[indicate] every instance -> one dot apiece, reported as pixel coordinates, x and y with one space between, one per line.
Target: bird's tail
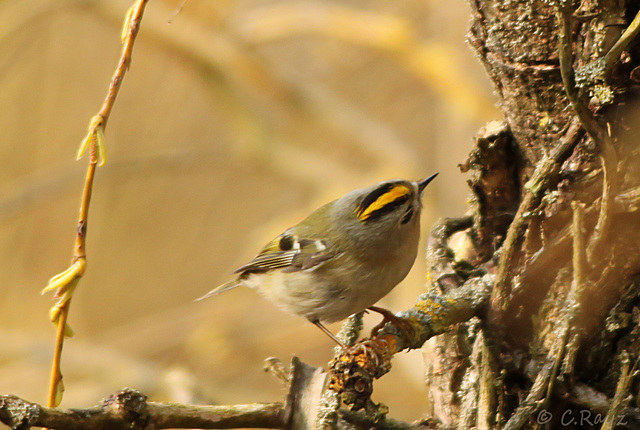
220 289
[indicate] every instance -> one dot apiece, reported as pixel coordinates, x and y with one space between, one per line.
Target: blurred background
236 120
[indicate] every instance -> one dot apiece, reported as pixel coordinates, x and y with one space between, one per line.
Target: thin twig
176 11
532 402
487 399
574 295
132 26
613 56
55 380
65 282
579 258
595 130
610 182
544 176
62 308
621 397
565 57
542 389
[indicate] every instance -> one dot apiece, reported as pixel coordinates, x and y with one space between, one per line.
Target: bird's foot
402 325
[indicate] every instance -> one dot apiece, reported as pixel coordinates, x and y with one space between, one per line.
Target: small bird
342 258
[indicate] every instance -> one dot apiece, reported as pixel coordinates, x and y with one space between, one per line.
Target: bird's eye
407 217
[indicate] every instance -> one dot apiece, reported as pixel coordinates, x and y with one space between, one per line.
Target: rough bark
554 219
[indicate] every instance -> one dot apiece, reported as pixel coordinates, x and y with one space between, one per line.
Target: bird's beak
423 183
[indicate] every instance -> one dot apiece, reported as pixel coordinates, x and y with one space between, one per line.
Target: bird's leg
387 316
331 335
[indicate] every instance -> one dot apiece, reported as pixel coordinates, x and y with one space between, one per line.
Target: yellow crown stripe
390 196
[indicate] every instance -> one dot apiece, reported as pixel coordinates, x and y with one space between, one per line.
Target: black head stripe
383 200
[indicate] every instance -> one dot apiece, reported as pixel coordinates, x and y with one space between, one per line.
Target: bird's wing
290 253
286 252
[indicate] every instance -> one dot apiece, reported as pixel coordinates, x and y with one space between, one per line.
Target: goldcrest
342 258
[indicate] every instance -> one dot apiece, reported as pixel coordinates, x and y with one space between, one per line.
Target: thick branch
361 420
128 409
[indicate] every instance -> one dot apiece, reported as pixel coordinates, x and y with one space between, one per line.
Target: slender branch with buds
64 283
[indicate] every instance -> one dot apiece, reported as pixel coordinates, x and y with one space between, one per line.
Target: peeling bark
562 319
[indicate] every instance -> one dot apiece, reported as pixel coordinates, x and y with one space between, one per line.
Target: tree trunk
556 189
